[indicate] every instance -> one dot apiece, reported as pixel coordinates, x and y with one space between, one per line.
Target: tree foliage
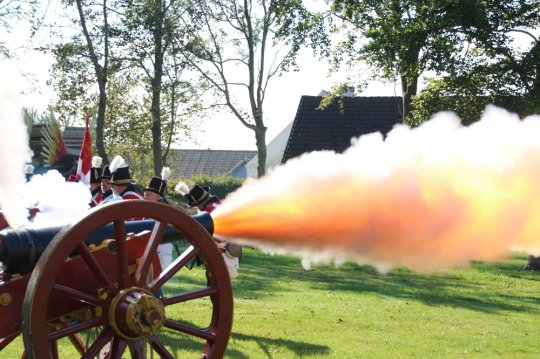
493 69
83 64
148 39
402 39
121 63
12 12
467 41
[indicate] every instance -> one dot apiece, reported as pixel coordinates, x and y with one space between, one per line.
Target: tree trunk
409 88
100 124
102 73
260 137
156 89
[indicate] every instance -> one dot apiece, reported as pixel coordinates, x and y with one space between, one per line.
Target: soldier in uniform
95 182
201 198
155 191
106 188
121 182
157 186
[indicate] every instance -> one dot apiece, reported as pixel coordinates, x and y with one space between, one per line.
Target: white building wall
274 150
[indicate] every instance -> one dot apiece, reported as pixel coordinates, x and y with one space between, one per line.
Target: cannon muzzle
21 249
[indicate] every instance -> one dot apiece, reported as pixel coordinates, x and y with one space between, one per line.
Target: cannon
97 284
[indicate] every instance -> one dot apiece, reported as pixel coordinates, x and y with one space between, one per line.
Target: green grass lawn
485 311
283 311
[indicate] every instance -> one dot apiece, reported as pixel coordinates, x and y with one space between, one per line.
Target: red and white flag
85 158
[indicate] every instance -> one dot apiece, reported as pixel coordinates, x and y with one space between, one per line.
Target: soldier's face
105 185
151 196
117 188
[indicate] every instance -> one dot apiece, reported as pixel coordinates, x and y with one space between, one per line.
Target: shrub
220 186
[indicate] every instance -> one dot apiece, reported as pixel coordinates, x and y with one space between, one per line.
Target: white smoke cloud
431 197
14 150
59 202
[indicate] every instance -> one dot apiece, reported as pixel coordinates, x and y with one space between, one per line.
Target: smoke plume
58 202
14 150
432 197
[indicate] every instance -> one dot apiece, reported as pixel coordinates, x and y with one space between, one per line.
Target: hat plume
165 172
182 188
116 163
96 161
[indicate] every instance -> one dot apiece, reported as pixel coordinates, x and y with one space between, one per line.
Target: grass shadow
267 345
262 274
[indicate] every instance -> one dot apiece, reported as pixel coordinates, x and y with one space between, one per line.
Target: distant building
191 162
333 128
184 162
73 137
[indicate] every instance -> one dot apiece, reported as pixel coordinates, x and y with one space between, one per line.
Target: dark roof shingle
332 128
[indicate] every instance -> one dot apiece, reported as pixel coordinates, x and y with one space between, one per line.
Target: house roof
73 137
187 163
332 128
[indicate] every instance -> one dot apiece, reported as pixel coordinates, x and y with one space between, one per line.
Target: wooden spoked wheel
126 313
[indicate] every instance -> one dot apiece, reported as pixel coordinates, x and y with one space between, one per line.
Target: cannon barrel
21 249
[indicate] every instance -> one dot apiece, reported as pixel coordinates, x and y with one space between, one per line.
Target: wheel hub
135 313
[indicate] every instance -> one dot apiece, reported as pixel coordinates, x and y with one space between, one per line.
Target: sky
222 131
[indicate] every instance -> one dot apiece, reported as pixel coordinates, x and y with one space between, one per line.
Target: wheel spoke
137 348
105 337
149 253
121 254
82 296
184 297
117 348
96 268
190 253
77 343
171 324
54 349
72 329
5 341
159 348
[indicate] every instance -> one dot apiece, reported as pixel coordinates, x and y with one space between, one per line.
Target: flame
432 197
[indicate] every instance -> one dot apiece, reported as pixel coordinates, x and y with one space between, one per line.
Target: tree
402 39
86 49
147 34
239 46
494 69
12 11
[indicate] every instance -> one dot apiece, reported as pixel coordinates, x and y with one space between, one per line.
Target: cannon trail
433 197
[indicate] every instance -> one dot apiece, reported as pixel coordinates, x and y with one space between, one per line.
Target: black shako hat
121 176
95 171
105 174
95 175
197 195
157 185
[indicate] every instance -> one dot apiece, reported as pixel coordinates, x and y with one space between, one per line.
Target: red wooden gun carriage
101 275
